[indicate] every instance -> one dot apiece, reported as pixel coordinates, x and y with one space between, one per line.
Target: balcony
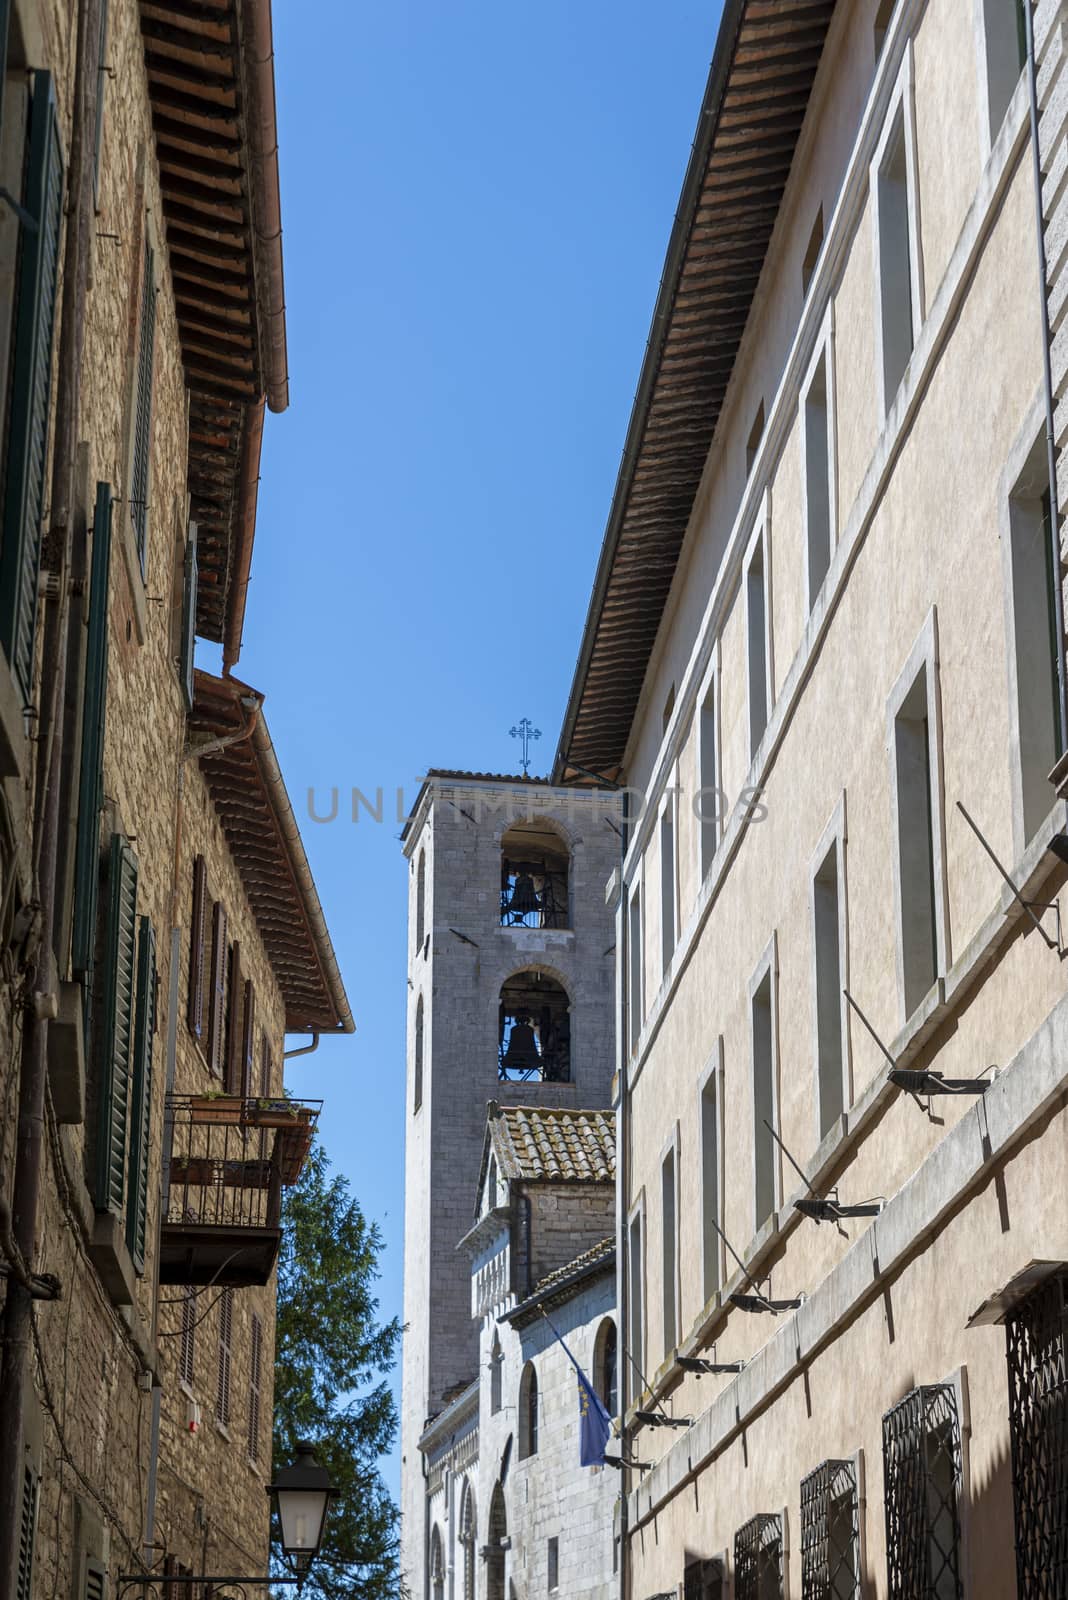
222 1204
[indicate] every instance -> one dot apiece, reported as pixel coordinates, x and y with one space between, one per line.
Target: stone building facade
141 336
840 700
510 1000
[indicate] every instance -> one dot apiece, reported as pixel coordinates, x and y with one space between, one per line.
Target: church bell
522 1052
524 897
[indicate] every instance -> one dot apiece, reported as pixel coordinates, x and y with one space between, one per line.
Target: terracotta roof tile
554 1144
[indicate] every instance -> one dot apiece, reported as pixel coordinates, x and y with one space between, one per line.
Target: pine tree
330 1387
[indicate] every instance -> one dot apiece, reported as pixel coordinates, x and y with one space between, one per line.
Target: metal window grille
922 1470
703 1580
758 1558
830 1533
187 1345
1037 1351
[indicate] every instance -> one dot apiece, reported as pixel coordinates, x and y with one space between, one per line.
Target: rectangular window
669 707
758 1564
708 758
756 597
554 1564
142 403
916 843
226 1334
1033 665
830 1533
636 1287
827 920
818 499
703 1580
141 1096
219 971
187 1342
765 1164
670 1251
923 1473
667 884
91 757
1037 1344
711 1185
255 1379
1005 41
636 986
752 444
113 1085
896 264
197 939
812 251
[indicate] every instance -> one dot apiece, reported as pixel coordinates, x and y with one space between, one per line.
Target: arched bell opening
534 877
534 1041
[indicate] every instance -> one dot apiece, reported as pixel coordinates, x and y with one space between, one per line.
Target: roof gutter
267 210
249 494
726 41
561 1289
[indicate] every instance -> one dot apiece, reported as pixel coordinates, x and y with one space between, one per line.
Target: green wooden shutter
189 617
27 1534
198 921
27 444
142 449
141 1095
113 1089
91 774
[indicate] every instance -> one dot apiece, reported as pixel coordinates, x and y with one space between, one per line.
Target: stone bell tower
511 978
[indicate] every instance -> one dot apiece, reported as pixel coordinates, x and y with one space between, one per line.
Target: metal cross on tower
527 732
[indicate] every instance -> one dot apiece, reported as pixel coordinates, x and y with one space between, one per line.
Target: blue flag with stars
595 1425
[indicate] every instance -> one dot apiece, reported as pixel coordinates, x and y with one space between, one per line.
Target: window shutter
31 384
91 761
226 1330
195 1014
142 446
96 1579
187 1350
248 1025
27 1534
141 1094
101 82
234 1032
189 617
114 1087
254 1380
218 989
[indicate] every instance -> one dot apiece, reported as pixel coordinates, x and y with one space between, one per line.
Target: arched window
528 1412
437 1566
606 1366
491 1184
496 1365
497 1533
534 1041
468 1538
417 1092
420 902
534 874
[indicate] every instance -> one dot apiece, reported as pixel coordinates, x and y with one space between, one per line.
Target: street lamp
301 1494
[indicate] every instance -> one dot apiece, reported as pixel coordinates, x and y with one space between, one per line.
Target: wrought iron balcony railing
230 1158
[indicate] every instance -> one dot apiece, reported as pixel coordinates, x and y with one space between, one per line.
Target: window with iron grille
923 1473
226 1332
758 1558
703 1580
187 1344
830 1533
1037 1350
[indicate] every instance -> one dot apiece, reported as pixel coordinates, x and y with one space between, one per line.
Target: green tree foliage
330 1387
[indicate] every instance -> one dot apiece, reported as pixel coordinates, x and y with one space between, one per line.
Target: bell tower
511 981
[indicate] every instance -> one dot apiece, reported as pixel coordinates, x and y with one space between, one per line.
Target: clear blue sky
476 201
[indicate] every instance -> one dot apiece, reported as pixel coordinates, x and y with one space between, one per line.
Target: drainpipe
303 1049
1047 378
57 561
623 1150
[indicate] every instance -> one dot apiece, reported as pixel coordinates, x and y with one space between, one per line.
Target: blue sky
476 202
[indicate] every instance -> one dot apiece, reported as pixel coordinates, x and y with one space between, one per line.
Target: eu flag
595 1425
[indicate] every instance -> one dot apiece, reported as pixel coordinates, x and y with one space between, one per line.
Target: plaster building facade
160 933
542 1256
510 1000
849 637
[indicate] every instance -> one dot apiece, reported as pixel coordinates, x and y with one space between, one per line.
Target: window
496 1374
668 889
636 1277
828 923
91 756
437 1566
883 15
812 251
830 1533
711 1181
752 444
916 848
553 1562
420 903
417 1091
534 1030
1033 654
27 1533
669 1249
187 1342
606 1366
217 1006
756 597
226 1334
758 1562
922 1474
495 1554
140 470
534 877
113 1083
703 1580
491 1185
1005 43
468 1535
1037 1344
765 1098
255 1381
197 940
528 1412
669 707
186 645
819 477
101 83
896 253
141 1097
635 985
708 807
